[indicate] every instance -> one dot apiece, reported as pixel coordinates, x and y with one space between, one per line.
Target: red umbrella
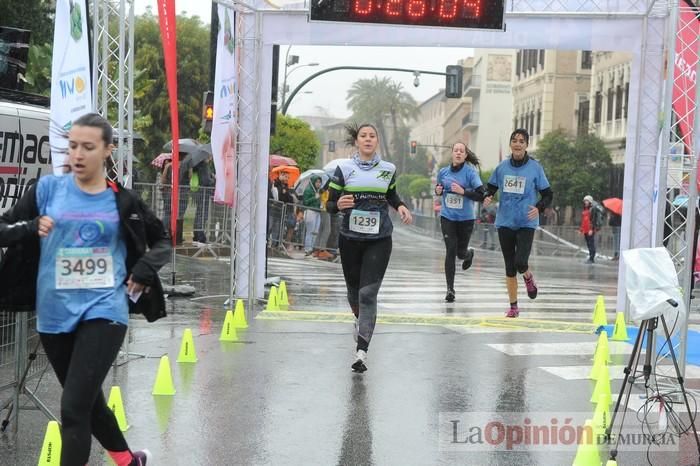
613 204
280 160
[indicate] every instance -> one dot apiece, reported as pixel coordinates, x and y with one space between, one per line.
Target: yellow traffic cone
603 347
239 320
602 386
187 351
164 379
117 406
599 314
282 296
51 450
272 301
228 331
601 416
598 363
587 453
620 331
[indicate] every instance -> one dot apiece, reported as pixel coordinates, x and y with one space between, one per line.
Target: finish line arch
640 28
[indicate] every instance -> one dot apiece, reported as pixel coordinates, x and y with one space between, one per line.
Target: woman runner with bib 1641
521 181
459 185
362 188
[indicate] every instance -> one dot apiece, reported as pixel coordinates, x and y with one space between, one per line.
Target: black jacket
147 250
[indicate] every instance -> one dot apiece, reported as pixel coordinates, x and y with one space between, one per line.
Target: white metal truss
244 221
113 76
678 159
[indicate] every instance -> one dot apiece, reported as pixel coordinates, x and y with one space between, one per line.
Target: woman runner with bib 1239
459 185
520 179
362 188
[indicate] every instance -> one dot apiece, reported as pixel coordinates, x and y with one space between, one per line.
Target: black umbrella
188 146
201 155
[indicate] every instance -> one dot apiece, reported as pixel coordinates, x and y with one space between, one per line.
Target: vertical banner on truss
684 76
166 17
223 131
71 88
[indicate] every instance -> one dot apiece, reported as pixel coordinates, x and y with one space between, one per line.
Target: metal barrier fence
21 361
295 226
201 220
550 240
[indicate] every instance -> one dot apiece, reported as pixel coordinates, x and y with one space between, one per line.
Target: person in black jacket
92 247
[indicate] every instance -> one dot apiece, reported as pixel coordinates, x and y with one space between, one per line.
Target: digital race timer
479 14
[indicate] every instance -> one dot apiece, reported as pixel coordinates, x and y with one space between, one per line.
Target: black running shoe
450 296
360 364
468 260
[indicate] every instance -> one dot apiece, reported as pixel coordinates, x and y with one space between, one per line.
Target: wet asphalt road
284 394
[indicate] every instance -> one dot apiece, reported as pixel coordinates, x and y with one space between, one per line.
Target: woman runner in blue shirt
96 244
459 185
520 179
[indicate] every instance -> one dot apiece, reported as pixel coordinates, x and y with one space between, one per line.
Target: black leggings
81 360
364 264
516 246
456 235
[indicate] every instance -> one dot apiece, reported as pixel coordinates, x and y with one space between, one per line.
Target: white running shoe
360 364
356 329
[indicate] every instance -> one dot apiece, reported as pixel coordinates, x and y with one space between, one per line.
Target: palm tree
367 100
375 100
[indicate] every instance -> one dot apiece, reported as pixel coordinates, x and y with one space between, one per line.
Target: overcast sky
328 92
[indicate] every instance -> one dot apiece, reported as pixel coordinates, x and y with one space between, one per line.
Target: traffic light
414 146
207 111
331 146
453 81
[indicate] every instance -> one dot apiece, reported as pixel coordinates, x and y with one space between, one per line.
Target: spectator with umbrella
614 206
187 147
201 181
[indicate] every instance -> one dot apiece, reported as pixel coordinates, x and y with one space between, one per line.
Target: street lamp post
290 60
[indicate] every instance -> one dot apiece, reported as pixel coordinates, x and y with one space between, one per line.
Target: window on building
586 59
542 58
533 60
538 122
532 123
525 62
583 111
618 103
518 57
627 97
598 109
515 123
611 98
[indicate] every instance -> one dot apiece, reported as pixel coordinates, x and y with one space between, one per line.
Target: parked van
25 153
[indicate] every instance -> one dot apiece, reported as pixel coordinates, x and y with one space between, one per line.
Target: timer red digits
447 9
472 8
416 8
393 7
475 14
363 7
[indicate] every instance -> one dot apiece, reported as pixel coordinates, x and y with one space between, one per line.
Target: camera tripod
23 363
647 326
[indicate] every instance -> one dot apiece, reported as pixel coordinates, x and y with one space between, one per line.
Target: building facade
550 89
607 107
490 89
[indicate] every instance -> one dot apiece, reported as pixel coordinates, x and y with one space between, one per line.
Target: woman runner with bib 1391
362 188
459 185
520 180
